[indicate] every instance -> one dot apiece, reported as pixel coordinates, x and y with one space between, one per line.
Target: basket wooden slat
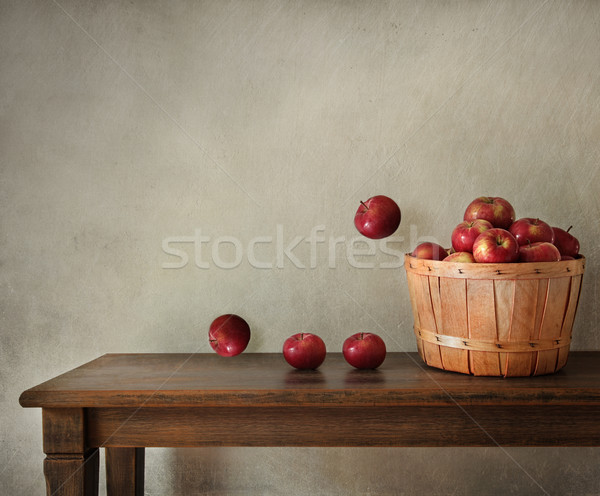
525 316
454 319
426 318
433 351
463 312
567 325
555 304
503 310
482 322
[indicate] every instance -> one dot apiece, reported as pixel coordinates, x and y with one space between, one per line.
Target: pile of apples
489 233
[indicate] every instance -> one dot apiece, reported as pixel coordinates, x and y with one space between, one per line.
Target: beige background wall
129 124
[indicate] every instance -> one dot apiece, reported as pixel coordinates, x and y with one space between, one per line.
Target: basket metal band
496 346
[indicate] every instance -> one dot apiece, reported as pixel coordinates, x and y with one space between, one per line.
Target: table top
265 379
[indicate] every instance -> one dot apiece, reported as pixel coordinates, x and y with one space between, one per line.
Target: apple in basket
460 256
539 252
496 246
494 209
529 230
430 251
465 233
567 244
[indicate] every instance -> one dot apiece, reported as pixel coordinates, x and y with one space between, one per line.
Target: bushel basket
510 320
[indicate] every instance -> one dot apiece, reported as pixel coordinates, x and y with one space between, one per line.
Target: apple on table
304 350
364 350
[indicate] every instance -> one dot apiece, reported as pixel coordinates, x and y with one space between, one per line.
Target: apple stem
363 204
569 228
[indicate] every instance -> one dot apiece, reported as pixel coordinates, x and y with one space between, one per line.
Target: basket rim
514 270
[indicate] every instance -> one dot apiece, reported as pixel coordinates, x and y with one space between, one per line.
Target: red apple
378 217
496 246
566 243
466 232
541 251
229 335
529 230
567 257
430 251
364 350
460 256
304 350
493 209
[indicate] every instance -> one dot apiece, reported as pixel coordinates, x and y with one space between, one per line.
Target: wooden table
126 402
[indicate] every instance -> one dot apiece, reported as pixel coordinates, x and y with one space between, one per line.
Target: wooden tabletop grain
265 379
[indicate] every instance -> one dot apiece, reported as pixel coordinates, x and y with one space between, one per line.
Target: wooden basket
509 320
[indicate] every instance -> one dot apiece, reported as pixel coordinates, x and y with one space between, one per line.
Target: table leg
125 471
70 467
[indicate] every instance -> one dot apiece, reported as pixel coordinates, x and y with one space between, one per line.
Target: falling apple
378 217
229 335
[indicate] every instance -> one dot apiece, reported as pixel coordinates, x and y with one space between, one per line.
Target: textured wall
130 127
